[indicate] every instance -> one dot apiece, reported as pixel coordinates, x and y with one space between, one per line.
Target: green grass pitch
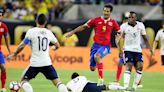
152 82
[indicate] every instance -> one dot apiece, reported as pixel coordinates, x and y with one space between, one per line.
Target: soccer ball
14 86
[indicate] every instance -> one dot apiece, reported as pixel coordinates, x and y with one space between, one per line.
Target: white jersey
39 40
160 36
77 84
133 36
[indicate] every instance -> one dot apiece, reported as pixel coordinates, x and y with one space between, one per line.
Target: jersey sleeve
116 25
27 37
143 31
52 37
90 22
122 29
157 36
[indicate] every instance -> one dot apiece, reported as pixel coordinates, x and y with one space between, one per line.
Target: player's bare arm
78 29
117 41
147 43
154 46
7 43
55 46
18 50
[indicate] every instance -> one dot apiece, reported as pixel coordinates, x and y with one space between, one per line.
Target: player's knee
97 57
139 68
129 66
3 69
92 68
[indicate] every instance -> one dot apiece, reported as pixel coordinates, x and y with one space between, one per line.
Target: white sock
137 78
26 86
116 87
61 87
127 78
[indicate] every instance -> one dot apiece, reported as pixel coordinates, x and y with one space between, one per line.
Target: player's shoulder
124 24
96 18
113 20
3 24
140 23
161 31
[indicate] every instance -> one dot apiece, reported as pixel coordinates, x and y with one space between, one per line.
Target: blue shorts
92 87
48 71
162 59
103 50
133 57
2 60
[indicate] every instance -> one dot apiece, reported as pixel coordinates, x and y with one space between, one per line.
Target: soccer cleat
129 89
3 90
100 82
140 86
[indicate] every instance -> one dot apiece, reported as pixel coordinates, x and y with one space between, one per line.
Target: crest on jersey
1 29
110 23
99 22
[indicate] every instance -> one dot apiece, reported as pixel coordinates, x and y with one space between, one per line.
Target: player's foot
140 86
3 90
129 89
100 82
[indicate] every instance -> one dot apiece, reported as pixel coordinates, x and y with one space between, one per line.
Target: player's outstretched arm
19 49
78 29
154 46
7 42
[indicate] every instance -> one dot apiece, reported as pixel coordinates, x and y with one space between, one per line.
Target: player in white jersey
81 84
39 37
132 31
160 37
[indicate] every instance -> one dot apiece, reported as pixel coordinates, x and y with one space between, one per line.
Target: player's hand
69 34
10 57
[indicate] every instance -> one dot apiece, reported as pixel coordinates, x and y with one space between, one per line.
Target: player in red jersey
103 26
3 32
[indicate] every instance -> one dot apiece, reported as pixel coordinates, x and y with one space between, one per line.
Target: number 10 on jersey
42 42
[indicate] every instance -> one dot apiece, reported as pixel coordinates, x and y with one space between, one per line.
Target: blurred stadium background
65 15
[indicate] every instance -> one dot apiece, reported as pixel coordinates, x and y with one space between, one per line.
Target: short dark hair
74 75
132 12
41 19
109 6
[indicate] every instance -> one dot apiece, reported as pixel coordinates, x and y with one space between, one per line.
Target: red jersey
3 31
103 29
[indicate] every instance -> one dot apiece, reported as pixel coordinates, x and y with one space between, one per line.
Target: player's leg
162 57
92 87
129 64
101 53
119 69
51 74
93 50
140 82
28 74
3 72
139 67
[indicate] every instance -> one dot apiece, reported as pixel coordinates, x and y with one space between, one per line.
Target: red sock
100 70
118 74
3 79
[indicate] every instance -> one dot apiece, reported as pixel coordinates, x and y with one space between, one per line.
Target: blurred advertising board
78 58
